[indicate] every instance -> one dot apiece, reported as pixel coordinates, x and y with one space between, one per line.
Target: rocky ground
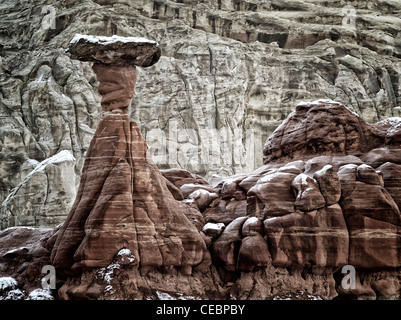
230 71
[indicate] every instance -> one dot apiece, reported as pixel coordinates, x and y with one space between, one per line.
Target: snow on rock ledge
48 198
108 40
115 50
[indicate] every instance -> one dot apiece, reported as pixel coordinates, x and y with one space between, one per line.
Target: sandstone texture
123 202
230 238
230 73
261 195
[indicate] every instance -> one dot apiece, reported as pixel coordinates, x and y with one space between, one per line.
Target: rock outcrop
326 191
320 128
123 202
231 71
285 230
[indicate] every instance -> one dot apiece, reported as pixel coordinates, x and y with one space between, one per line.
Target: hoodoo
123 201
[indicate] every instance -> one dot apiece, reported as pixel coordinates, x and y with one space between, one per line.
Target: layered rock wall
286 230
231 71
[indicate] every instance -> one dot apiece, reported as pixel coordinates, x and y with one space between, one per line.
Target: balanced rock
123 201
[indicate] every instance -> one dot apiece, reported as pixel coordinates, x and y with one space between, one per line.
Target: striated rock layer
286 230
231 70
123 201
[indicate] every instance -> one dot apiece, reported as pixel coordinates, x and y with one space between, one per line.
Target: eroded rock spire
123 201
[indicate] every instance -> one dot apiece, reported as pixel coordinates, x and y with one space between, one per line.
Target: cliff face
230 72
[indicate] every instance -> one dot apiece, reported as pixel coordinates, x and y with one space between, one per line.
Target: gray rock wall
230 72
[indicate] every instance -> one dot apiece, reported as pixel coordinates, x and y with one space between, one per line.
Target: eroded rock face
333 130
229 69
285 228
317 238
123 201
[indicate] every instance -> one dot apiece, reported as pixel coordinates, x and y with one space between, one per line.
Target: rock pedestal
123 201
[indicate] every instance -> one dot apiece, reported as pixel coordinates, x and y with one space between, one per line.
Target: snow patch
126 255
319 101
124 252
304 179
267 178
15 250
252 220
15 294
86 128
109 40
62 156
40 294
8 283
230 181
174 296
32 162
324 101
394 123
298 296
364 166
213 227
19 227
270 219
107 273
164 296
198 193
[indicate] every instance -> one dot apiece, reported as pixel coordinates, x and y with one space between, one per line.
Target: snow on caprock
210 226
108 40
62 156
